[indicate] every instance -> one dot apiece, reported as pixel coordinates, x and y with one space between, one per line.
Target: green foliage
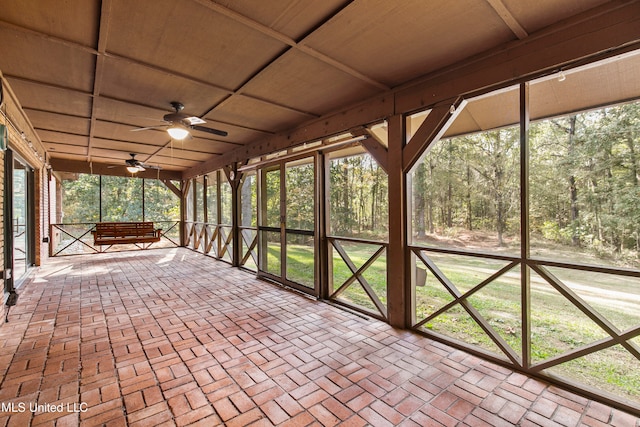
212 198
160 203
583 184
584 180
226 209
272 199
248 201
469 182
199 190
359 205
299 181
81 199
121 200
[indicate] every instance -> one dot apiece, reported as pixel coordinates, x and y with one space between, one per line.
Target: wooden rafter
508 18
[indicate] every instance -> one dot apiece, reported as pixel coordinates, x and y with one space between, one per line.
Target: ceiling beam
79 166
108 98
300 46
47 37
508 18
48 85
292 44
596 34
103 33
101 52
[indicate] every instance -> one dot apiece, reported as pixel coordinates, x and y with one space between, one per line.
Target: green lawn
375 275
557 326
300 269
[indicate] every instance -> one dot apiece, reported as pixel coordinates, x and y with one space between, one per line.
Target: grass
557 326
375 275
301 269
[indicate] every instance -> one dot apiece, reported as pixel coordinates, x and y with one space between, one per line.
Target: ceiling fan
178 124
134 165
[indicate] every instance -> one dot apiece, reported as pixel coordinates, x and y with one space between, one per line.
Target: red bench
113 233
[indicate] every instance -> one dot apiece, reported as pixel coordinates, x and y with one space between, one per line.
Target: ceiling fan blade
210 130
148 128
146 166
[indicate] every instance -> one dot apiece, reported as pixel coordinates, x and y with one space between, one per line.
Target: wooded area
583 187
122 200
359 204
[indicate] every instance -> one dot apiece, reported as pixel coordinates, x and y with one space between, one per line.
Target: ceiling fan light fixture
132 169
178 132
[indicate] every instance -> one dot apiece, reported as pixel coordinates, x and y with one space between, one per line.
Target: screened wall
209 216
357 230
316 222
524 230
86 199
521 225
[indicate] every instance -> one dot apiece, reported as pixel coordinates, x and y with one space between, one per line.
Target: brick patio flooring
171 337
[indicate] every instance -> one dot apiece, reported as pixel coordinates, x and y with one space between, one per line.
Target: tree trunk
430 198
634 163
573 190
449 205
419 197
246 209
346 209
469 216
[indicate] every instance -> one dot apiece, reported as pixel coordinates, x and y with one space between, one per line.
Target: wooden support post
397 294
525 292
322 227
183 211
236 184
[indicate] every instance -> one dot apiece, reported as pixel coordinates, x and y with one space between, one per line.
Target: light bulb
178 132
132 169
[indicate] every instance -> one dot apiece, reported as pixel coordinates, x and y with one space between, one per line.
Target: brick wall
2 206
24 142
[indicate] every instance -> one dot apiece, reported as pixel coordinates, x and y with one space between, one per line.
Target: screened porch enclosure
517 211
522 216
312 222
523 228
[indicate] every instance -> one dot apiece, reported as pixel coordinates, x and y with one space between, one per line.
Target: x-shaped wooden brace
226 241
356 274
75 239
462 299
246 235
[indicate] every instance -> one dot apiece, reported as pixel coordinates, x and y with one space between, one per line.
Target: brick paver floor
171 337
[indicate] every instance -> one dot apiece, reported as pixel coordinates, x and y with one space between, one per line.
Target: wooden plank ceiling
88 72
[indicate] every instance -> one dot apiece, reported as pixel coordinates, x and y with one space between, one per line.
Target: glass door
19 219
22 221
287 224
19 225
